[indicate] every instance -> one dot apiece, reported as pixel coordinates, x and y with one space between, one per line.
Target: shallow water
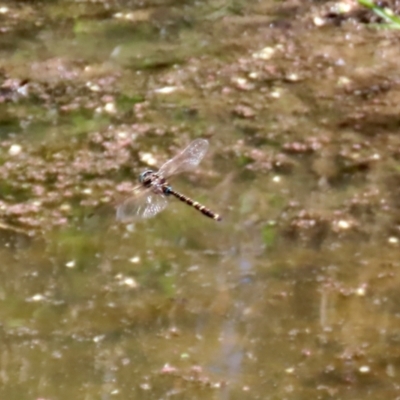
292 295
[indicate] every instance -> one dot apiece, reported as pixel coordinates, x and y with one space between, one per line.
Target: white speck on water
4 10
130 282
361 291
254 75
145 386
393 240
289 370
241 81
110 108
87 191
37 297
136 16
166 89
264 54
70 264
342 224
134 260
122 135
276 94
293 77
65 207
364 369
276 179
98 338
148 158
344 7
14 149
93 87
23 90
318 21
130 227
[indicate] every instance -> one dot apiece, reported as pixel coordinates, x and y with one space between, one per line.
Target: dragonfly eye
145 176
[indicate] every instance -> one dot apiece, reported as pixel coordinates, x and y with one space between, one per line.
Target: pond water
293 295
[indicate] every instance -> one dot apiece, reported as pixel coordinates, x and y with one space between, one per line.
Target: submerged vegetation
391 20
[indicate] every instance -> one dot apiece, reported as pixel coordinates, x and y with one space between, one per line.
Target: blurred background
294 294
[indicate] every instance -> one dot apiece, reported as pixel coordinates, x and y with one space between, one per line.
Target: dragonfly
151 195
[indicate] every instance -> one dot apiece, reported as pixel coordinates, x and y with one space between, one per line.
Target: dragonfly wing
187 159
146 204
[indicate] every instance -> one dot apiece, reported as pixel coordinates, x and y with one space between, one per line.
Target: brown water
293 295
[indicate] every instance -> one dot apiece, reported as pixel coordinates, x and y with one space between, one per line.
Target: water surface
293 295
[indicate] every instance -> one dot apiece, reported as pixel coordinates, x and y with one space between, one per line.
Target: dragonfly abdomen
203 209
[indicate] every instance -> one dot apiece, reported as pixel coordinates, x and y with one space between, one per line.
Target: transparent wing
186 160
143 204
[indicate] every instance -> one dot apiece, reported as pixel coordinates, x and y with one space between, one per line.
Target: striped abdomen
203 209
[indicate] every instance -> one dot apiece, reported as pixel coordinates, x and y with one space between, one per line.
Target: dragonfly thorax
146 177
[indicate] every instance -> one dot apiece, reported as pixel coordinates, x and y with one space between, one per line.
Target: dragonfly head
145 177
